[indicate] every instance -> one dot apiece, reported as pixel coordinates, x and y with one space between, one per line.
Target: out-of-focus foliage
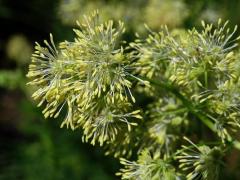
12 79
127 11
134 13
19 49
174 13
48 153
165 12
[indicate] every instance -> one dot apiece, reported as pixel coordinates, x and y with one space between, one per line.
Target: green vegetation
186 79
144 91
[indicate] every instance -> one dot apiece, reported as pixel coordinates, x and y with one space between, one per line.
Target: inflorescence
187 77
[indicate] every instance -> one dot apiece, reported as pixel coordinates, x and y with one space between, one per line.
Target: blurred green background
34 148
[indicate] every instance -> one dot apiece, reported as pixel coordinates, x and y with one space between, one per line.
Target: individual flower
200 161
147 167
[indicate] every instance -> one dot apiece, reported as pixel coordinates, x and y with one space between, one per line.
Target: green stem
192 108
188 104
205 76
181 110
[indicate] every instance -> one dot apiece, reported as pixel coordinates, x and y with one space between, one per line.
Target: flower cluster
202 161
167 120
180 81
89 76
147 167
194 76
202 65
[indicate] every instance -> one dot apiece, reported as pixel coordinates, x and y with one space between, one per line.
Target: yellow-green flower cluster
204 57
195 76
89 76
202 162
202 65
204 68
152 54
148 167
166 121
192 76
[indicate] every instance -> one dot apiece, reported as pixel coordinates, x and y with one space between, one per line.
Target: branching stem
186 103
191 108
